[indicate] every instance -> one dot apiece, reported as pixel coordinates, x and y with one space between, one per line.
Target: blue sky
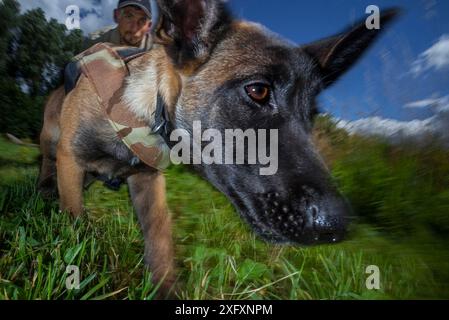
381 84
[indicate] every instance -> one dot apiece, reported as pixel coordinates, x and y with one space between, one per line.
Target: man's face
133 24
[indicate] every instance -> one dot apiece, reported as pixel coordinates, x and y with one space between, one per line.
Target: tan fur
148 193
70 174
150 74
48 140
82 104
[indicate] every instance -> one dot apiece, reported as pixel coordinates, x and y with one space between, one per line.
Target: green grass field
401 197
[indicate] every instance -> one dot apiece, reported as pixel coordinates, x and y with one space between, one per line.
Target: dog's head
238 75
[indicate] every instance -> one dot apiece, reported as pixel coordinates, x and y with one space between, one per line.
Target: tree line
33 53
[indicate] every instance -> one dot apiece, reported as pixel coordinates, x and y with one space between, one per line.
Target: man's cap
143 4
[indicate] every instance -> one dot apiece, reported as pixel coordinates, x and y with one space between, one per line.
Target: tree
33 52
43 48
9 16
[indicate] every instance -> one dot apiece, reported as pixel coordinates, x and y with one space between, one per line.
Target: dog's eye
258 92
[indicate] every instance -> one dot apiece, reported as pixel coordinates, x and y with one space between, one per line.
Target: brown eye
259 92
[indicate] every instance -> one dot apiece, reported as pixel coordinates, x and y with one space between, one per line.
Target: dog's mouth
293 232
299 222
290 213
264 231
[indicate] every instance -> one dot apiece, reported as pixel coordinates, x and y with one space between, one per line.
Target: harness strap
162 124
107 71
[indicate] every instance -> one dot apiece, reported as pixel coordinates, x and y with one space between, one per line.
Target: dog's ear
336 55
189 29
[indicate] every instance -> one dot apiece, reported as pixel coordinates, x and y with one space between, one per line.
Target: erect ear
190 29
337 54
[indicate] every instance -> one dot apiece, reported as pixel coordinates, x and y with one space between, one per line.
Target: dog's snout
309 219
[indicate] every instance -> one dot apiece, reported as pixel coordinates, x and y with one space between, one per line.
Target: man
133 18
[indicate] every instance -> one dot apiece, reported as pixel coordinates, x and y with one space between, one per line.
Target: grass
403 209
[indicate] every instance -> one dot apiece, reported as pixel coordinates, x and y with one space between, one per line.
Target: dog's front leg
70 182
47 178
148 195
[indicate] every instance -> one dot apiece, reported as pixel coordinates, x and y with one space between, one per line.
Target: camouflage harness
106 69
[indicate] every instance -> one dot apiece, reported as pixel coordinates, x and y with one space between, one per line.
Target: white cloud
436 57
435 103
388 127
415 130
99 13
422 103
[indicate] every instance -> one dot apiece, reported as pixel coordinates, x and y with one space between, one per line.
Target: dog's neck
151 75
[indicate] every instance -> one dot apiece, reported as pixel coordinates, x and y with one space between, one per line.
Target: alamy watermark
373 21
73 17
235 147
373 280
72 282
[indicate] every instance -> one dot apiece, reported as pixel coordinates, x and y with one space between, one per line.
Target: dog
206 66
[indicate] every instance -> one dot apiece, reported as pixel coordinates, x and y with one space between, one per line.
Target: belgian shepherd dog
228 74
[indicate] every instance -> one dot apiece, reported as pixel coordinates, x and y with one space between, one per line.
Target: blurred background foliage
33 51
403 188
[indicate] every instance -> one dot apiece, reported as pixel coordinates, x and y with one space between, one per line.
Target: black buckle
161 123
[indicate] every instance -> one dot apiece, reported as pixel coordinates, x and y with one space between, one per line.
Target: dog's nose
326 220
310 219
